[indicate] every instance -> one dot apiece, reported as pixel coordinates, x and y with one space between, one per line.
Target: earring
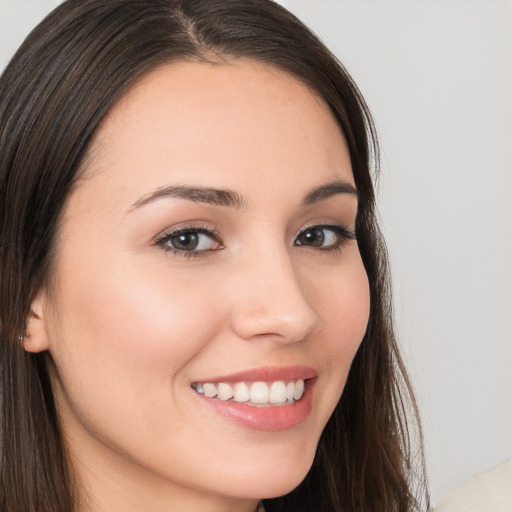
23 337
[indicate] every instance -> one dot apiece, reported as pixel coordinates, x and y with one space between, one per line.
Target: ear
36 338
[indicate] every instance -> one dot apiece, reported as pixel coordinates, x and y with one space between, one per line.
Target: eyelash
343 235
186 230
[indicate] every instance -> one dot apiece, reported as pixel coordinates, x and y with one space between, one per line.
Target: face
208 250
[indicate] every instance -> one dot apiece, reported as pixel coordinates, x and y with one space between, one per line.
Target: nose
271 302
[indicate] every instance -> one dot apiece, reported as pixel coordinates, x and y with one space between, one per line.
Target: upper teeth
277 392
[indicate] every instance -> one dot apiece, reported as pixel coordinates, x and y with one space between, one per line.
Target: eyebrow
329 190
231 199
212 196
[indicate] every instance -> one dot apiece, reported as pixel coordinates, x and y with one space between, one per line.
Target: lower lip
268 419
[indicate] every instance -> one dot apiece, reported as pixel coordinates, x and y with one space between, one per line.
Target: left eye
324 236
190 240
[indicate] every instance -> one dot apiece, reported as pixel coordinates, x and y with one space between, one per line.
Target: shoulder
490 491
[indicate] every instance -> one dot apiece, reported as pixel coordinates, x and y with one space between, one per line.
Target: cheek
345 305
122 348
345 309
131 329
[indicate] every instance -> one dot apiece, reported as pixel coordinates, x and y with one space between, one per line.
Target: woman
178 321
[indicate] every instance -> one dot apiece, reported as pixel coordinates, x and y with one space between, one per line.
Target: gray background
437 75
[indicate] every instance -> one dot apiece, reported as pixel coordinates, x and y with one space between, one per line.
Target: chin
282 484
271 478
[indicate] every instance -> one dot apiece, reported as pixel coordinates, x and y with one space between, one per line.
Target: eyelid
343 233
162 239
336 226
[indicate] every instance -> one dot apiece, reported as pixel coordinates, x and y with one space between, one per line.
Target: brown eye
190 240
314 237
185 241
324 237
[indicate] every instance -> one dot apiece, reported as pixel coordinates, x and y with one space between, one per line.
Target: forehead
245 121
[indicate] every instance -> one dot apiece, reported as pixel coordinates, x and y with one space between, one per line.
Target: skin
130 325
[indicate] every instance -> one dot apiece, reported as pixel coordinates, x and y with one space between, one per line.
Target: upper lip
266 374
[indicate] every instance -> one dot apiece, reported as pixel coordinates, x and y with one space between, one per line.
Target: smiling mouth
257 394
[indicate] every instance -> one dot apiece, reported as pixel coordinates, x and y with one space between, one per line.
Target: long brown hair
55 92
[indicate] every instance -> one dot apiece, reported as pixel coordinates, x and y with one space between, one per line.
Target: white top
485 492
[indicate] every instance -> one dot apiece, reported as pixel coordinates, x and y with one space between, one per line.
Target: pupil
185 241
314 237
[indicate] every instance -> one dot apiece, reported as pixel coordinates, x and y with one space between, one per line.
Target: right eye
188 241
